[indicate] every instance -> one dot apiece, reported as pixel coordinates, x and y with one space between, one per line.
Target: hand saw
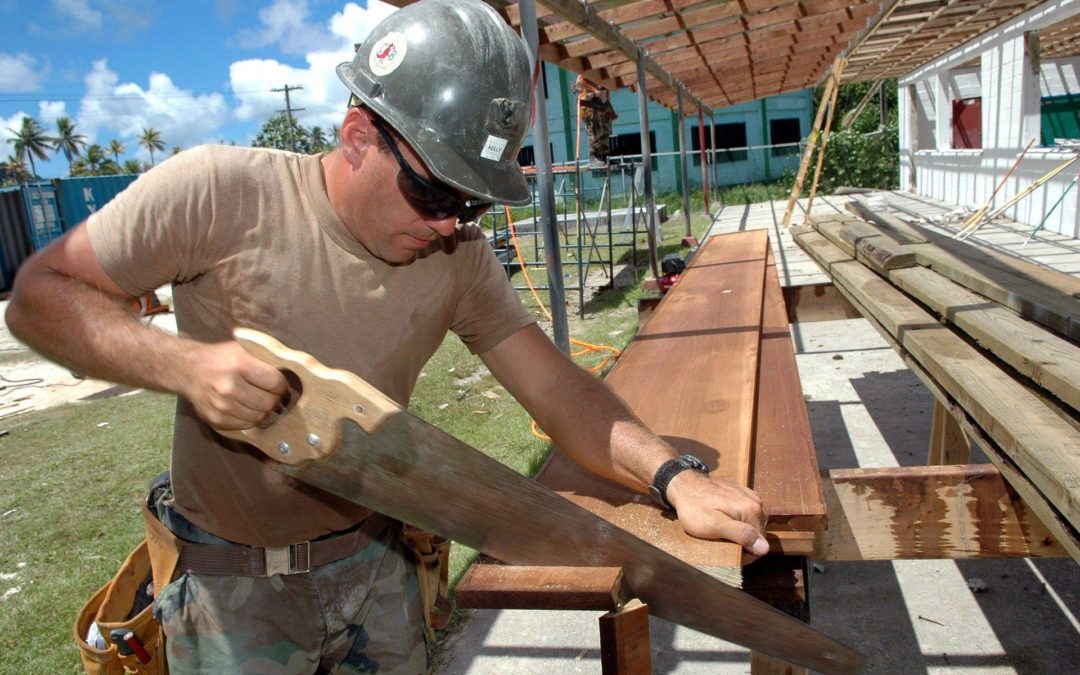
340 434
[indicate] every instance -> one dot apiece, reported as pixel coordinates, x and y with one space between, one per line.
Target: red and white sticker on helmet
493 148
388 54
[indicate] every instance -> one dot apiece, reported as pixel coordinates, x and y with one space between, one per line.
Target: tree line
32 142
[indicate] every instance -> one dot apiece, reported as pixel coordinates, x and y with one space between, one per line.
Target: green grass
72 477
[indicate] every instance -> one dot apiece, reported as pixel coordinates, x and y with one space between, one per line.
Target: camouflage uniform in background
597 114
356 615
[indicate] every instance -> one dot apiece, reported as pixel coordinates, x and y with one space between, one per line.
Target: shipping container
42 213
79 197
15 246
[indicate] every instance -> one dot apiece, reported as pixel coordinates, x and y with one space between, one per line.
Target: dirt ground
30 382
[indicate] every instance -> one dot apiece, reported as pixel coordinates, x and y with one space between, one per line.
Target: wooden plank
762 664
785 466
948 443
382 457
1038 293
690 375
1032 446
956 511
1050 361
497 586
624 641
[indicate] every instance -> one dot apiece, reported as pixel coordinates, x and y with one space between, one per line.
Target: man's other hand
711 508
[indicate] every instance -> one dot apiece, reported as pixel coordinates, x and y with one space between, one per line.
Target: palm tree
335 134
67 141
318 139
95 159
14 170
30 141
132 166
151 140
116 148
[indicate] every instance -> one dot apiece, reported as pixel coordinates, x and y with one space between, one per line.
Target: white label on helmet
493 148
387 54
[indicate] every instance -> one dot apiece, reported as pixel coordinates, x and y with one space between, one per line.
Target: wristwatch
670 469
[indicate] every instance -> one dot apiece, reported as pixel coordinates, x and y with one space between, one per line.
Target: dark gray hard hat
453 79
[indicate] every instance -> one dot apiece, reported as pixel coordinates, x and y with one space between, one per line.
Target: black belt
256 561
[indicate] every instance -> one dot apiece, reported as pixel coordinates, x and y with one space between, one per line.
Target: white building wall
1010 91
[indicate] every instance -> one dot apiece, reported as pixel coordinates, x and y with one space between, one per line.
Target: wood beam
960 511
585 16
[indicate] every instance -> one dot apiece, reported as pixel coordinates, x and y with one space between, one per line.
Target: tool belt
432 554
131 637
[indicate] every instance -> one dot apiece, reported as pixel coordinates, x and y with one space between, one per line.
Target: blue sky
198 71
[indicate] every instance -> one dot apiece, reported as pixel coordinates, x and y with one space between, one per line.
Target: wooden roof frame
723 53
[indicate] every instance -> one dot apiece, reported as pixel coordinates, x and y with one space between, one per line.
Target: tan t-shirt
248 238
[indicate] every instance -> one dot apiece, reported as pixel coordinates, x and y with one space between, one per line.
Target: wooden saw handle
309 429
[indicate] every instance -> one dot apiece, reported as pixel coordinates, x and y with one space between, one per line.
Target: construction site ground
866 409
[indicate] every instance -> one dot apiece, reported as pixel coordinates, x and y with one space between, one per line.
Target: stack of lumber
996 339
713 372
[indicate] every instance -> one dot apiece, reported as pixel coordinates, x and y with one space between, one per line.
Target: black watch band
670 469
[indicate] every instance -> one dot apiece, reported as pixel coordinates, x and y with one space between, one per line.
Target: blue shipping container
42 213
79 197
15 246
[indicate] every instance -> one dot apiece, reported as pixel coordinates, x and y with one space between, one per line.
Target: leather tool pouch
125 604
114 607
432 554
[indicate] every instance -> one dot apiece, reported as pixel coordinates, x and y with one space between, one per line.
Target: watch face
691 462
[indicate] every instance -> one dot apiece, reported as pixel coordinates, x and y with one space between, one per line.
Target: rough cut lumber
690 375
493 585
1050 361
1043 295
956 511
1041 444
785 463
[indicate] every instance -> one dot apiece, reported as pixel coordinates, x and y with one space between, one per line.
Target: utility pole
289 111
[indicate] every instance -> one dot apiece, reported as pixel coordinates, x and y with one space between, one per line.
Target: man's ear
357 135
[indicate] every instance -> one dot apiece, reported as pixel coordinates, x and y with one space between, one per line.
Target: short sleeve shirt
248 237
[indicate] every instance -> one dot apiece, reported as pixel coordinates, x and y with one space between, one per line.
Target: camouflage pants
358 615
598 127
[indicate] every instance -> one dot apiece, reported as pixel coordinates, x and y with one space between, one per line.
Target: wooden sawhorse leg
625 647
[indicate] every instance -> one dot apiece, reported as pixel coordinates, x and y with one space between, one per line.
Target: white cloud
8 127
20 73
79 11
323 96
124 109
285 24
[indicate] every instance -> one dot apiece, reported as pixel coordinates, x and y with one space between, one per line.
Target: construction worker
364 258
594 103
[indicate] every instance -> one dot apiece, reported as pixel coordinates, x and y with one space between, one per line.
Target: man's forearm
92 332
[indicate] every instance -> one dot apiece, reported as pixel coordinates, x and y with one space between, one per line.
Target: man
594 102
358 258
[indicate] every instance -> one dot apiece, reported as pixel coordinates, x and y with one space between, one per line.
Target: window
782 131
729 135
630 144
526 156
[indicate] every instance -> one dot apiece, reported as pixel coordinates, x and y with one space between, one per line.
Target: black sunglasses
431 199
